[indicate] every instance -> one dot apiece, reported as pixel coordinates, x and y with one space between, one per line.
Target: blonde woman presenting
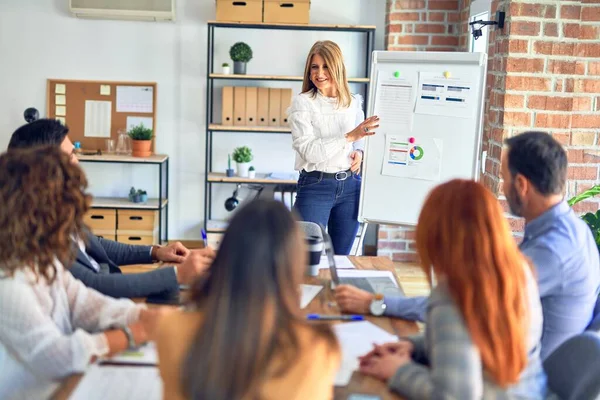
328 128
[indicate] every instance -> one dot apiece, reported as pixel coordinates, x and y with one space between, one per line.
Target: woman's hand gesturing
365 128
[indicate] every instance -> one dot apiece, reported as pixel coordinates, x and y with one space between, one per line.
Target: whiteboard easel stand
361 239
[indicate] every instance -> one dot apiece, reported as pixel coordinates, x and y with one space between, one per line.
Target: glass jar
123 143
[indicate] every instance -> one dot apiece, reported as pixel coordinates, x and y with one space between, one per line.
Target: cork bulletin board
96 111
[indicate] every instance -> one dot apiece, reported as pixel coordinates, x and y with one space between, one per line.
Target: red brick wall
423 25
543 73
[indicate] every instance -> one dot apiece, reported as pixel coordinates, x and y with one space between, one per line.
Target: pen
335 317
204 238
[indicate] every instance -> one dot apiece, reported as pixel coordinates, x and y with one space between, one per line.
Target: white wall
40 40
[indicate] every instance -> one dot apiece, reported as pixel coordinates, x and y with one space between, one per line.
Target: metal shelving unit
160 204
212 127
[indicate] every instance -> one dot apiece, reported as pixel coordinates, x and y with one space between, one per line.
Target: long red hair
463 235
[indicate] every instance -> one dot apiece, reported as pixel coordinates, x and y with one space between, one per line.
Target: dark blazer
110 281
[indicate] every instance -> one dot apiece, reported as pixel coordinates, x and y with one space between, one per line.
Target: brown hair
464 236
250 302
43 203
332 54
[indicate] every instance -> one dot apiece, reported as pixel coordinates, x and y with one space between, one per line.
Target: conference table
323 303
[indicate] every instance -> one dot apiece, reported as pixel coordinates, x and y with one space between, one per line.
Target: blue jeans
333 204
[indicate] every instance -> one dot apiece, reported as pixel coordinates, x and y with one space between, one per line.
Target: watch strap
130 338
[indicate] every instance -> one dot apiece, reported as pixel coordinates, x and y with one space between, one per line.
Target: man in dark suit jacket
98 260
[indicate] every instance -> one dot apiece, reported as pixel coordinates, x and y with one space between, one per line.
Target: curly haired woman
51 325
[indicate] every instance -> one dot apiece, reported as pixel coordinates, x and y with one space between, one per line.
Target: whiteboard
430 106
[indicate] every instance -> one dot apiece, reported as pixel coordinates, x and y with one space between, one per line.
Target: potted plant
242 156
240 53
592 219
251 172
226 69
143 195
133 196
229 171
141 141
138 196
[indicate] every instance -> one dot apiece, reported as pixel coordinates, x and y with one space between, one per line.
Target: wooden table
323 304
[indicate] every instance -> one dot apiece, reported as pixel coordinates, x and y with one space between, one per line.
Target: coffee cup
315 249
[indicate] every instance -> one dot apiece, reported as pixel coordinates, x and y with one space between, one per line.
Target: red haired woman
484 318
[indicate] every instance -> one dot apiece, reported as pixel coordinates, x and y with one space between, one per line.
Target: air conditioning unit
137 10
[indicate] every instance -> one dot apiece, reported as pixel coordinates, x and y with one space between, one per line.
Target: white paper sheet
146 355
60 100
309 292
453 96
97 118
60 88
356 339
421 159
61 111
394 103
341 262
135 121
138 99
119 383
105 90
366 273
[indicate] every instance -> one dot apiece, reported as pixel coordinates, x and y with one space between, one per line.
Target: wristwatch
377 306
130 340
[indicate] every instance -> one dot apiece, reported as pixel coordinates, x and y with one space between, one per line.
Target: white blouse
48 332
318 129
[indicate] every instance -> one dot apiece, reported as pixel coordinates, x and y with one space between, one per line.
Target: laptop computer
372 284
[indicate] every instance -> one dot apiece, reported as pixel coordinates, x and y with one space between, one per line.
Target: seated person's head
43 132
534 169
463 236
43 203
250 302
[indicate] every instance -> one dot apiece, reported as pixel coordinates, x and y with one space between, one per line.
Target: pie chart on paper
416 153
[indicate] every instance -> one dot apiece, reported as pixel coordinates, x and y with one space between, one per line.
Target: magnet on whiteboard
411 140
397 74
447 74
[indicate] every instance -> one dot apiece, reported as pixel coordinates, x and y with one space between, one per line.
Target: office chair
573 369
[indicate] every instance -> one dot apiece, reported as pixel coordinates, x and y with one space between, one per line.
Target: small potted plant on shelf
143 196
141 141
229 171
226 69
242 156
240 53
251 172
138 196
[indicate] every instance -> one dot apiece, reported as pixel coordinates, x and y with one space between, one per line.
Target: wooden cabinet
98 219
117 218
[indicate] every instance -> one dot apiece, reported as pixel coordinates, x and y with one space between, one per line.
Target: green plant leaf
242 154
140 132
593 221
591 192
240 52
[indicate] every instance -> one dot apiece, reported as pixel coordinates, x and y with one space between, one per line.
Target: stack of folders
255 106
